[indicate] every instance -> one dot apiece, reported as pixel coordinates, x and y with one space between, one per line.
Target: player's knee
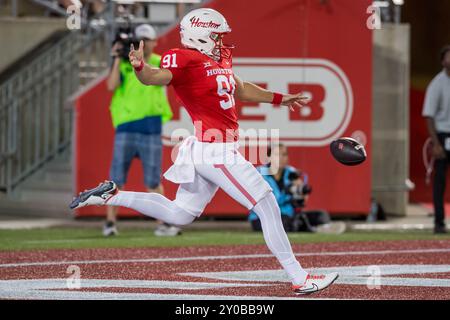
183 222
267 199
268 196
182 217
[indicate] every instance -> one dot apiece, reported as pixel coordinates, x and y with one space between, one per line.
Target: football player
202 76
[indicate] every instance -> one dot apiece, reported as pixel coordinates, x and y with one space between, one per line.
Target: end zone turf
39 264
369 270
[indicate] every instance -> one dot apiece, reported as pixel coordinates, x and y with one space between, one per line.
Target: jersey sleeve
175 61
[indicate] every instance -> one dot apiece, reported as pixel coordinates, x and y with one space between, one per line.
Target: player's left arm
250 92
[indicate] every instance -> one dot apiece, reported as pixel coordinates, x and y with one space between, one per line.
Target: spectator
138 113
290 188
436 110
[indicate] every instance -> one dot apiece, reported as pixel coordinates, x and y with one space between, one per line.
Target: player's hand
136 56
438 151
294 100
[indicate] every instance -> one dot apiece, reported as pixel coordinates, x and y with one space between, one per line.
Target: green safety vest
134 101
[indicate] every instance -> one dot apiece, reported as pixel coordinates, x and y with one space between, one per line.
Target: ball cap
145 31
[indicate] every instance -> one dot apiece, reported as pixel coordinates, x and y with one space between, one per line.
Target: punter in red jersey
206 87
202 76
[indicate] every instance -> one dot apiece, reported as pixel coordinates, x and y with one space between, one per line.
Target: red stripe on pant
235 182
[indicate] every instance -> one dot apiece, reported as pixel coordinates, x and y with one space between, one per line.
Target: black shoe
440 230
97 196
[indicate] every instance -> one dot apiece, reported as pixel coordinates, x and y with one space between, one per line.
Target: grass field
76 238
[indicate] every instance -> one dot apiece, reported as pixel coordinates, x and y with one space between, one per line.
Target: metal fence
35 121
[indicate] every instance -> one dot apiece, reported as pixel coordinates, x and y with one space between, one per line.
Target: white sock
153 205
276 239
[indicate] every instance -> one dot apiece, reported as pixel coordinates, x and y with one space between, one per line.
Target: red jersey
206 88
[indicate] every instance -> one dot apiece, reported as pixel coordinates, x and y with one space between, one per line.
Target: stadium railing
35 119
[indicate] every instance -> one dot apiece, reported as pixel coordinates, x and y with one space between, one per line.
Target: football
348 151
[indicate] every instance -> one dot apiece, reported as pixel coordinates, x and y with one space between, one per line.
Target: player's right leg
153 205
190 201
97 196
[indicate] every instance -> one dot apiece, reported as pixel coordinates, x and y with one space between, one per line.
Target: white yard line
245 256
57 289
31 224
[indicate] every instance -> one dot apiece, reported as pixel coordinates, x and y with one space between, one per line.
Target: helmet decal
196 23
203 29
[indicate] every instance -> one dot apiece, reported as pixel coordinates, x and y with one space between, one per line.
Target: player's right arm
146 74
250 92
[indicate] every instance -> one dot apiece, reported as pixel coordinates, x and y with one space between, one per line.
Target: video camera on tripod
298 191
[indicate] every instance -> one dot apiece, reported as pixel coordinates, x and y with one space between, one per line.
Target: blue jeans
147 147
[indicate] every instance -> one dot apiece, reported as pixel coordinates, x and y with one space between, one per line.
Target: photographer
137 113
289 186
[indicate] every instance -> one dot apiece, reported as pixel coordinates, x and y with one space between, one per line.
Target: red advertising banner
323 49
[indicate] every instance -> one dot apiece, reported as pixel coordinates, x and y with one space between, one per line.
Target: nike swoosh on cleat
314 288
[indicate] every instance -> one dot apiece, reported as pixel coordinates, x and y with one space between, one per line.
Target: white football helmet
203 29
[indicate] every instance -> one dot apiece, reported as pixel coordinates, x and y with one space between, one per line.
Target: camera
125 37
298 191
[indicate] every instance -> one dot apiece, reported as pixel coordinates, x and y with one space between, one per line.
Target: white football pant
220 165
